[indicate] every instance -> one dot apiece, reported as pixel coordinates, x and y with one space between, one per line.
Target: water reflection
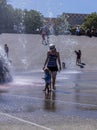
49 101
77 95
84 97
77 88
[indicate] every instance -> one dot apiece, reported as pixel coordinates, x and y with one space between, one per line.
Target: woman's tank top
52 60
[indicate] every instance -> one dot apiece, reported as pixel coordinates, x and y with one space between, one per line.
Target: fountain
65 26
5 67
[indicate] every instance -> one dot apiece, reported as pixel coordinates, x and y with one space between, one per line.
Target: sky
53 8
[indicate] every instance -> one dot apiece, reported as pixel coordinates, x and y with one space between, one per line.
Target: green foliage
3 6
90 21
29 21
23 20
33 21
73 30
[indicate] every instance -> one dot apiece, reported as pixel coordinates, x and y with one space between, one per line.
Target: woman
51 63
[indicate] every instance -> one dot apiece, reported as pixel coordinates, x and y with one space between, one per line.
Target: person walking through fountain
6 48
78 57
51 63
45 32
47 78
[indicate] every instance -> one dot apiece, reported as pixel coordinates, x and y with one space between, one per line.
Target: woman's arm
45 61
59 61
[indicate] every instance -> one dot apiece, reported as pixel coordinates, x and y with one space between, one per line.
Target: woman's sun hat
51 46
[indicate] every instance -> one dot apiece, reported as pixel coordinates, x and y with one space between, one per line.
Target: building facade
73 19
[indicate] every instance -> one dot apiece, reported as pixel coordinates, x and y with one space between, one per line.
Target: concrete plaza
73 106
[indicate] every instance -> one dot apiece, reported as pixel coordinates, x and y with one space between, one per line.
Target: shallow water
27 51
23 104
74 95
74 103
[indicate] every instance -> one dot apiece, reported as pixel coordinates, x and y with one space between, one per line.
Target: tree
3 5
9 18
18 20
6 16
90 21
33 21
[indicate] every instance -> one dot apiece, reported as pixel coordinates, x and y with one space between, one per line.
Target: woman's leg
53 82
53 75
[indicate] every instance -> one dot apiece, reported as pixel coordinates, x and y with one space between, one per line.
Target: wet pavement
73 106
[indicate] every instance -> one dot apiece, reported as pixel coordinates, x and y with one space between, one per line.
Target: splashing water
5 67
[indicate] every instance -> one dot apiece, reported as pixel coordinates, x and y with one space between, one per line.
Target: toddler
47 78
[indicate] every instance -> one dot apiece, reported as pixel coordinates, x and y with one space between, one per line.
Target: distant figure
45 34
78 57
1 71
47 78
6 49
51 63
63 65
88 32
78 31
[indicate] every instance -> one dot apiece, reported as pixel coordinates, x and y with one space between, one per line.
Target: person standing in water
78 57
51 63
6 49
45 34
47 78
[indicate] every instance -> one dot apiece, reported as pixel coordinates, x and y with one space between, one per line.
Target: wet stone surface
73 106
